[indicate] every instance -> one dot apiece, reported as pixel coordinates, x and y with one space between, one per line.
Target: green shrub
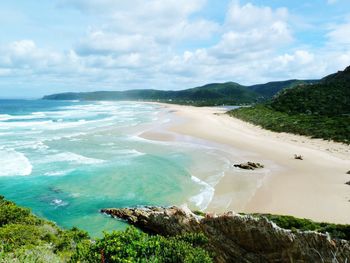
13 236
335 128
135 246
26 238
290 222
12 214
199 213
39 254
23 235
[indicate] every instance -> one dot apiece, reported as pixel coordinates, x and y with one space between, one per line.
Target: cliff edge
239 238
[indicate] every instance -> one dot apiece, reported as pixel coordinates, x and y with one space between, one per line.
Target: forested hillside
229 93
320 110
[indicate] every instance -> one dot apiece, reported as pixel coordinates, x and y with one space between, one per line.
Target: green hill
268 90
229 93
330 97
320 110
211 94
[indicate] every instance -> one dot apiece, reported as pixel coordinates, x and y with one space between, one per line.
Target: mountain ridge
209 94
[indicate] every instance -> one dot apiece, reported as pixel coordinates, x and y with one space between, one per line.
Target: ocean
66 160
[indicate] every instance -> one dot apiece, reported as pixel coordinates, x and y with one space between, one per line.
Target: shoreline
313 188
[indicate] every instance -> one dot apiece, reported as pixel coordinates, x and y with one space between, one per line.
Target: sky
52 46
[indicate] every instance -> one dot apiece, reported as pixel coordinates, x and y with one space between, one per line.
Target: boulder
298 157
249 166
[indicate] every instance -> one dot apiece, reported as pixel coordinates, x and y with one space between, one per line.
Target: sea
66 160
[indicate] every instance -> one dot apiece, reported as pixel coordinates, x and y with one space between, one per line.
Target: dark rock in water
348 172
249 166
239 238
348 183
55 190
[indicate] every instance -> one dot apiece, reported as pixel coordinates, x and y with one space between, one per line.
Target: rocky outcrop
239 238
249 166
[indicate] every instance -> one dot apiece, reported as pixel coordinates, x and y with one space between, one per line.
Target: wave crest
13 163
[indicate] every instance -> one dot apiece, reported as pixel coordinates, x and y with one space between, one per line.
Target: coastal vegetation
335 128
246 238
319 110
289 222
27 238
229 93
134 245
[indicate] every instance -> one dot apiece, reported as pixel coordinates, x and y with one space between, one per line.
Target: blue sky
84 45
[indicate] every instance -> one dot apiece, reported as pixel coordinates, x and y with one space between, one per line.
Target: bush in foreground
27 238
135 246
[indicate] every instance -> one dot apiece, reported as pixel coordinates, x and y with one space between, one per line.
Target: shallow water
66 160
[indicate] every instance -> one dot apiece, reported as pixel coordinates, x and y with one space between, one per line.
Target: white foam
130 153
35 115
14 163
75 195
58 203
203 199
68 136
58 173
4 117
39 145
6 133
108 144
24 124
72 158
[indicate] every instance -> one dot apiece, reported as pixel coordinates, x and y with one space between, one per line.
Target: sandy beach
311 188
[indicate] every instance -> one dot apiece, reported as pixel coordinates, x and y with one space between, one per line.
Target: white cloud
5 72
243 17
26 54
251 29
340 34
98 42
23 47
163 20
331 2
139 7
147 44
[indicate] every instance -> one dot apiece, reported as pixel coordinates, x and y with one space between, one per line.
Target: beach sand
312 188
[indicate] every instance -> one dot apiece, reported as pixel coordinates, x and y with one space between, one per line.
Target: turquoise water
67 160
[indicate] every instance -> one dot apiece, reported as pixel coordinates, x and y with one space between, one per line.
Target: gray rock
249 166
239 238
